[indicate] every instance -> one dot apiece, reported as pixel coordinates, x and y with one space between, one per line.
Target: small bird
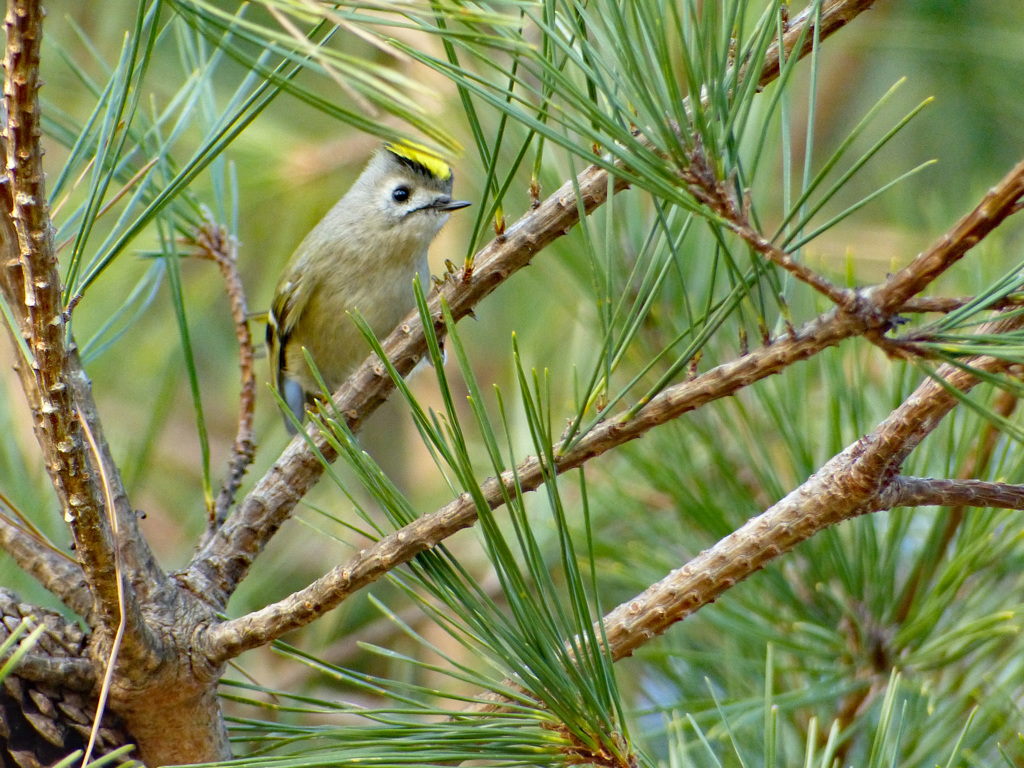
362 255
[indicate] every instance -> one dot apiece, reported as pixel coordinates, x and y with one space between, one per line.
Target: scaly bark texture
32 287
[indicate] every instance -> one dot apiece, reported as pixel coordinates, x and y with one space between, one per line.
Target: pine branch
50 371
32 289
946 304
853 483
860 480
835 14
54 570
977 463
1001 202
718 196
120 570
859 317
223 561
937 492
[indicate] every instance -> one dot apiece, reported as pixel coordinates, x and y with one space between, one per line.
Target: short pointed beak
449 205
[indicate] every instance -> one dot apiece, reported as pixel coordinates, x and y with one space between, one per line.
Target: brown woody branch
835 14
1000 202
61 575
860 317
841 297
32 286
893 295
860 480
57 389
946 304
935 492
846 487
717 195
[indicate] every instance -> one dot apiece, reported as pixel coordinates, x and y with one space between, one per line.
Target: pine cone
41 723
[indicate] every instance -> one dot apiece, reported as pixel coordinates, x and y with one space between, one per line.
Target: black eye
400 195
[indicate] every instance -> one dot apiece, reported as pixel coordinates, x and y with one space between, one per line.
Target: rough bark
129 596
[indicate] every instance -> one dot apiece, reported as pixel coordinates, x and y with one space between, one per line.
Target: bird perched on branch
362 255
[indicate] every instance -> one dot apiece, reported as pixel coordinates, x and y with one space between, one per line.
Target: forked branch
862 479
224 560
860 318
1001 202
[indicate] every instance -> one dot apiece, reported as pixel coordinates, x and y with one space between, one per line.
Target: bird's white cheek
431 225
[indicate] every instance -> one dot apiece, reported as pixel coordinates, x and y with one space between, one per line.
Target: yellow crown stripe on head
421 155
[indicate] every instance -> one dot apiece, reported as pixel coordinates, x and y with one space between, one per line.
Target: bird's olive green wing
289 302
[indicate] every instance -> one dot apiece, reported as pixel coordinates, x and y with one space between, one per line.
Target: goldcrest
362 255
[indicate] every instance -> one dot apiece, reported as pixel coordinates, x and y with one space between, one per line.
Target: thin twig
214 243
947 304
1000 203
705 185
937 492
